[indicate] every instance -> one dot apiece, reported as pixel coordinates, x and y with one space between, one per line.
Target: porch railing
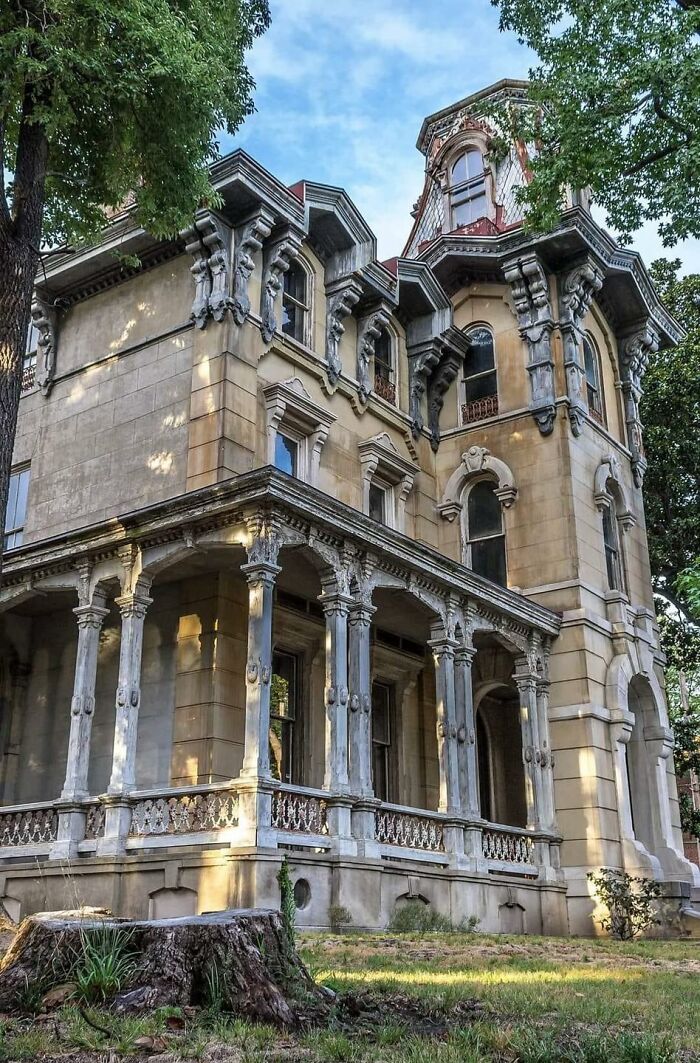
28 825
508 845
186 810
299 810
409 829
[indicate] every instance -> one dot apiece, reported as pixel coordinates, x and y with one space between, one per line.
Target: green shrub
631 902
339 918
104 964
416 917
287 905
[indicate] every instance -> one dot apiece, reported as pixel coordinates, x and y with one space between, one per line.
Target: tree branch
654 156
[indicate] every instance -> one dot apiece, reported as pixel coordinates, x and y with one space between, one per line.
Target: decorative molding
208 241
609 486
379 456
340 300
576 291
475 462
249 239
279 255
44 320
455 350
635 350
288 403
531 302
369 329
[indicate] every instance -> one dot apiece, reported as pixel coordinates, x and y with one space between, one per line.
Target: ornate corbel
279 256
369 329
199 269
248 242
635 350
341 297
455 349
422 359
531 302
44 321
216 237
577 289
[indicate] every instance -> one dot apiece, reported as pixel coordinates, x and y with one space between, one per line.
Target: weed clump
416 917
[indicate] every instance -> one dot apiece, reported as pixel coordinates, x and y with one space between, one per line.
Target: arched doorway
640 774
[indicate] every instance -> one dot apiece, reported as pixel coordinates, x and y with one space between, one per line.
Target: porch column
443 648
90 618
132 607
548 812
466 732
360 700
336 606
255 787
526 682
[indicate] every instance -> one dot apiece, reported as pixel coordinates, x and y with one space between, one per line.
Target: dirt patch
364 1012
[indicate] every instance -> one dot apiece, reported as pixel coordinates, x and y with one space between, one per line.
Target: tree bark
244 953
20 238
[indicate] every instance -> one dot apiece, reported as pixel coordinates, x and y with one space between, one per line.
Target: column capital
90 616
465 655
335 602
261 571
443 646
361 613
133 605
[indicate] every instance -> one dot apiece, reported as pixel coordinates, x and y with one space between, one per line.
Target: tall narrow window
384 383
284 689
613 561
468 188
16 508
377 503
295 304
486 541
29 358
382 697
286 454
483 760
594 391
480 382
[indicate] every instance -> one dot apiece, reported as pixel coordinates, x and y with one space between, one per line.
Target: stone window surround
382 464
477 463
602 416
610 493
307 339
471 327
291 410
466 537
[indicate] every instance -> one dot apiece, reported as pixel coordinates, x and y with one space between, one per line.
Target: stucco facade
338 558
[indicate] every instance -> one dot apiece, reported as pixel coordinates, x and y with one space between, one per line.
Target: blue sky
343 86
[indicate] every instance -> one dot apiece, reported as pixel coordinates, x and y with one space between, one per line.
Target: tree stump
245 954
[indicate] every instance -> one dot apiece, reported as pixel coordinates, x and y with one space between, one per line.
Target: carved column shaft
577 290
261 577
529 723
90 619
443 649
360 701
466 731
133 608
335 607
531 302
548 814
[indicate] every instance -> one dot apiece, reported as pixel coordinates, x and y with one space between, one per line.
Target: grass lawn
452 998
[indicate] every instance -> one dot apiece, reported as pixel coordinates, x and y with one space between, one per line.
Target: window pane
292 320
481 355
484 511
470 210
283 707
489 559
295 283
283 685
381 700
480 387
16 510
612 553
382 356
475 163
286 452
590 360
459 170
377 503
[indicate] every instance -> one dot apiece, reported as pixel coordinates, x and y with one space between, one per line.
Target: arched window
468 188
480 383
594 389
384 382
295 302
486 541
613 554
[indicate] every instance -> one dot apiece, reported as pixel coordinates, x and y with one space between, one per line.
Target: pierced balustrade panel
480 409
29 827
508 848
386 389
302 813
184 813
28 376
94 822
411 832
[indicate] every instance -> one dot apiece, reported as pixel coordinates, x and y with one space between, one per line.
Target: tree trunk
243 958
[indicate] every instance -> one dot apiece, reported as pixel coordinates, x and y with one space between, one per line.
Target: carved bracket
369 329
531 302
635 350
577 290
340 300
248 242
453 354
209 243
44 320
278 258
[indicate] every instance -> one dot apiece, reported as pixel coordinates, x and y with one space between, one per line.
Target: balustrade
189 812
480 409
33 825
409 830
508 846
297 811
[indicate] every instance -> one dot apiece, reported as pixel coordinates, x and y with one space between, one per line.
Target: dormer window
480 383
295 302
468 200
384 384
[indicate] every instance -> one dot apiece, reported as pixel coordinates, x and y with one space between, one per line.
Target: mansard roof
434 124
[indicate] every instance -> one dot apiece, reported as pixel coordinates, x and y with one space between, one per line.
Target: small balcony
480 409
385 389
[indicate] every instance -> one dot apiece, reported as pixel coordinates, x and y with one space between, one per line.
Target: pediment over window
381 455
476 461
609 487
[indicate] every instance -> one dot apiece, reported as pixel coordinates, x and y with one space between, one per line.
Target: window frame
293 724
17 529
468 540
491 402
300 441
305 306
615 566
292 412
387 746
596 410
468 189
386 387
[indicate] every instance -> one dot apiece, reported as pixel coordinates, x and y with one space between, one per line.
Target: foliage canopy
619 109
